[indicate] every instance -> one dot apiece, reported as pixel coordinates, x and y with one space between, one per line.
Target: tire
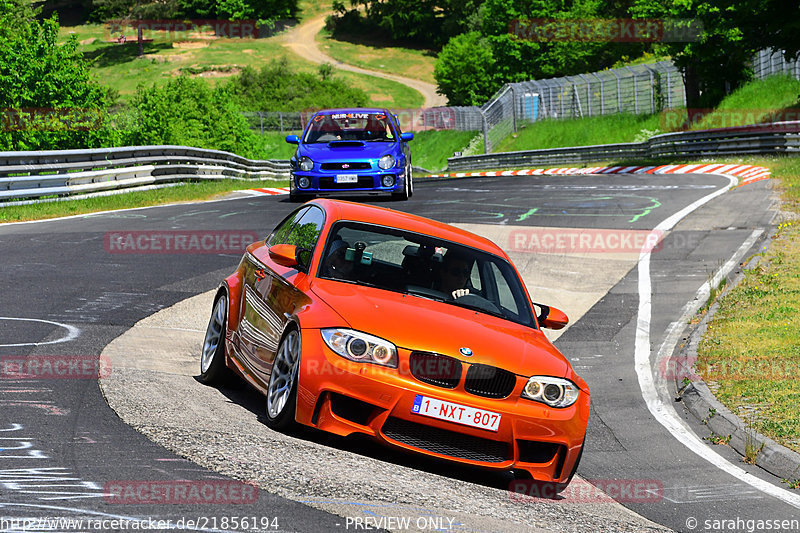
410 182
295 198
282 387
406 194
212 359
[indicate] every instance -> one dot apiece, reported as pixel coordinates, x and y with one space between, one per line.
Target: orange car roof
344 210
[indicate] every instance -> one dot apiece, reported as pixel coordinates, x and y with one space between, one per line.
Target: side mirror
551 318
406 136
284 254
293 139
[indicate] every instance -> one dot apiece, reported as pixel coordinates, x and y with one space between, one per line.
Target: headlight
360 347
555 392
386 162
388 181
303 182
306 164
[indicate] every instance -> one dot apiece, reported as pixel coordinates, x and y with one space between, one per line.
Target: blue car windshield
367 127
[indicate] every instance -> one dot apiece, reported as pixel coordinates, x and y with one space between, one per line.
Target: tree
47 95
135 12
717 61
465 70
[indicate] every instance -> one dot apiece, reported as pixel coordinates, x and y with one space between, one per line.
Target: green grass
118 66
202 190
756 101
274 145
381 55
604 129
430 149
750 354
383 93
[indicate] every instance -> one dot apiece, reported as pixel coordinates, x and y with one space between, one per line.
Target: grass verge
382 56
430 149
606 129
750 354
187 192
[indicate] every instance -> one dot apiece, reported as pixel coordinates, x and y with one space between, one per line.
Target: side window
305 232
281 233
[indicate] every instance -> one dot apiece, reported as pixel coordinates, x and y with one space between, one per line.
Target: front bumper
343 397
369 182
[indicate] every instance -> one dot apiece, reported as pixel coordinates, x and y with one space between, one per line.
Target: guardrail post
485 124
588 94
619 90
513 109
635 91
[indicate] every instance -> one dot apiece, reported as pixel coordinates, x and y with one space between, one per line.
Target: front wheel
406 193
212 358
282 388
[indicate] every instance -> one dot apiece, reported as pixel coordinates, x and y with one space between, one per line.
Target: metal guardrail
66 172
772 138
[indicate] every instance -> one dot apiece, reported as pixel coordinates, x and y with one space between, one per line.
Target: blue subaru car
351 152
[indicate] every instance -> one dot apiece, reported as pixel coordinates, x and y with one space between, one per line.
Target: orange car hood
417 323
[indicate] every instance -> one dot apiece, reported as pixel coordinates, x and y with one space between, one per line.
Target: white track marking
659 405
72 332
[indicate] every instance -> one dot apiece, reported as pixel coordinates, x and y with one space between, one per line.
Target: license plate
346 178
454 412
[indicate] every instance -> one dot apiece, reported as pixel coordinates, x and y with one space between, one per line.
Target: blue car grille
345 166
364 182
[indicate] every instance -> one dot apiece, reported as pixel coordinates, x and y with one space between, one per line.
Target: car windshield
368 127
426 267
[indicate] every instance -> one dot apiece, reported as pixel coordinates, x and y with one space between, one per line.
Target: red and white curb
268 191
744 173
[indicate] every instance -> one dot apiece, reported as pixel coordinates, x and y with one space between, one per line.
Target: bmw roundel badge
466 352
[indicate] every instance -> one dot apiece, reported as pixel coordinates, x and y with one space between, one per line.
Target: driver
454 274
336 266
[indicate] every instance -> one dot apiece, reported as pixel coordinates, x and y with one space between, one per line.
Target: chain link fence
637 89
769 62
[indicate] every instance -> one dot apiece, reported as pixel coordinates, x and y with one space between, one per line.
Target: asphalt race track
67 292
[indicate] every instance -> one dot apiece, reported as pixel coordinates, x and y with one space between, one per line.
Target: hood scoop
345 144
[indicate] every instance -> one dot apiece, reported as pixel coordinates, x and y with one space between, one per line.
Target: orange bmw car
358 319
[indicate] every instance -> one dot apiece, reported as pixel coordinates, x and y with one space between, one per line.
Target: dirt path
301 40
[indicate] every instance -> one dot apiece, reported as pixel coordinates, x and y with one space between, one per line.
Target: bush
186 111
276 88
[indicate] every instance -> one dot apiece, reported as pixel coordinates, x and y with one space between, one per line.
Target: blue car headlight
306 164
386 162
